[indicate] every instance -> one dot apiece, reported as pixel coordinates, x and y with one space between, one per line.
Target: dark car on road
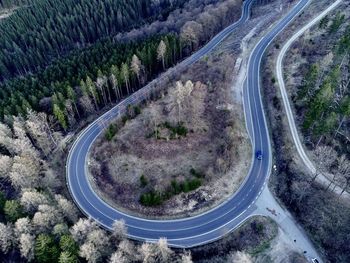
259 155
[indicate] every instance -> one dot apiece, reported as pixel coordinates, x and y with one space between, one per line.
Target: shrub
143 181
151 198
178 130
2 201
111 132
154 198
197 174
125 119
181 130
13 210
137 110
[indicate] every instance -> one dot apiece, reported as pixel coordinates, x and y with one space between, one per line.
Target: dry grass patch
178 155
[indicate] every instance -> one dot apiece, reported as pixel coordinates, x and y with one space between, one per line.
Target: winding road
211 225
285 97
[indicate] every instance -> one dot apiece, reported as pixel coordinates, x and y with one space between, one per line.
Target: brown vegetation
193 135
322 213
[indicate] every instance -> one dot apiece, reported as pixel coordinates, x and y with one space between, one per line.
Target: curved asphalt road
209 226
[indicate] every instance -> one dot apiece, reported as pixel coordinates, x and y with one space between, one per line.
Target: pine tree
58 113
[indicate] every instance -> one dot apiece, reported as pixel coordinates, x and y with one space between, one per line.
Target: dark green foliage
143 181
13 210
111 131
68 244
12 3
125 119
2 201
46 250
36 35
67 257
343 46
153 198
336 23
196 173
324 22
57 79
321 101
180 130
137 110
309 82
258 227
176 131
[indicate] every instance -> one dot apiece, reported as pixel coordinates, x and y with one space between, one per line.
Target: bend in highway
279 72
211 225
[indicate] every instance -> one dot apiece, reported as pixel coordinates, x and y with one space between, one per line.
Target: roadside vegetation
316 70
49 90
178 151
113 66
44 97
321 95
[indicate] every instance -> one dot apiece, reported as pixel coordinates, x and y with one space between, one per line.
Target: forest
323 98
124 67
57 88
36 35
62 62
6 4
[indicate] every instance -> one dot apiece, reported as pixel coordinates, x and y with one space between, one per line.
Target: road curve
279 71
211 225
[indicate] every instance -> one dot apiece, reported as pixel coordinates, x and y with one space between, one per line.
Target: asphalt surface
211 225
290 114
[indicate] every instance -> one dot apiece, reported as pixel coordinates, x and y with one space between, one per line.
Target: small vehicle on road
258 155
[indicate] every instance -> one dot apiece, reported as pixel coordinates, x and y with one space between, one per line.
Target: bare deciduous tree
326 157
128 250
90 252
6 237
240 257
96 246
136 67
5 166
86 104
126 75
163 250
31 199
70 113
26 246
39 129
68 209
25 172
190 34
118 257
81 229
186 258
46 217
147 253
119 230
344 172
90 85
161 51
23 226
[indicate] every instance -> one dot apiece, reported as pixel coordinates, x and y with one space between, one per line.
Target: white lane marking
177 220
279 68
